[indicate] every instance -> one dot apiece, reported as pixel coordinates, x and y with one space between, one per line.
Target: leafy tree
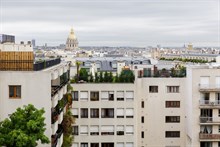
105 77
96 77
23 128
83 74
110 77
101 77
91 78
77 69
116 78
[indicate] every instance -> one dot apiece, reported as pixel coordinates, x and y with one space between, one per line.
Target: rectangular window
120 130
107 112
129 113
142 119
84 113
120 144
75 130
129 130
153 89
107 130
94 145
94 96
173 89
75 112
15 91
84 95
142 104
107 95
94 113
129 95
142 134
120 113
84 145
120 95
75 95
172 134
172 104
94 130
172 119
84 130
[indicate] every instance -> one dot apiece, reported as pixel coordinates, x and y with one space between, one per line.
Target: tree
110 77
101 77
77 69
83 74
23 128
96 77
91 78
116 78
106 77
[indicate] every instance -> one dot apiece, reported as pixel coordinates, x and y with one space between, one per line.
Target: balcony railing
46 64
209 136
209 103
209 119
55 89
209 87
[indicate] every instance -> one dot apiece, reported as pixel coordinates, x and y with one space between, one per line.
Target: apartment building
203 106
148 112
43 84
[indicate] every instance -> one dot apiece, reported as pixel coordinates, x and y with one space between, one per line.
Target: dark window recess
75 130
84 113
14 91
142 119
172 104
172 134
120 132
153 89
172 119
142 104
107 113
142 134
94 113
75 95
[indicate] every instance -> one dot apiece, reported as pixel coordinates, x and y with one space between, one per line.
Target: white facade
37 88
16 47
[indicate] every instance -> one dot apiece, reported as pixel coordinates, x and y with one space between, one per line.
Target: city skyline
110 23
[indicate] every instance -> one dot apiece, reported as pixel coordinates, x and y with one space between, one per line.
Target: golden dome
71 35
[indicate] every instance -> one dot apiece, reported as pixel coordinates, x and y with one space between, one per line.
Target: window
75 95
94 145
153 89
120 130
129 130
120 113
84 95
219 129
172 119
84 113
142 119
120 95
107 95
129 113
84 145
172 104
142 104
15 91
218 112
120 144
129 95
94 113
94 130
75 130
172 134
107 113
129 144
94 96
107 130
75 144
173 89
142 134
84 130
75 112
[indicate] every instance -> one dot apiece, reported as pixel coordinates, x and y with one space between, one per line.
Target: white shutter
120 112
129 144
217 82
129 112
120 144
84 94
75 145
130 94
120 94
120 128
107 128
94 128
129 129
84 129
104 94
204 82
75 111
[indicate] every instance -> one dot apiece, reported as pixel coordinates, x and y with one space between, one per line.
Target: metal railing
208 102
46 64
209 87
209 136
208 119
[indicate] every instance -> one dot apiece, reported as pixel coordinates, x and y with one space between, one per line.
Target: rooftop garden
186 60
126 76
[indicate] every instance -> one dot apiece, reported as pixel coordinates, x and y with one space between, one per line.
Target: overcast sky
113 22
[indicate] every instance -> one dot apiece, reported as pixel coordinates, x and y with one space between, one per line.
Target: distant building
190 46
7 38
71 42
33 42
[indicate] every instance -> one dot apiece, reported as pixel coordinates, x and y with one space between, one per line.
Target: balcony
209 120
209 88
208 103
203 136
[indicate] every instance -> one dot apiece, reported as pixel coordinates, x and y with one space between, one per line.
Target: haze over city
113 23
